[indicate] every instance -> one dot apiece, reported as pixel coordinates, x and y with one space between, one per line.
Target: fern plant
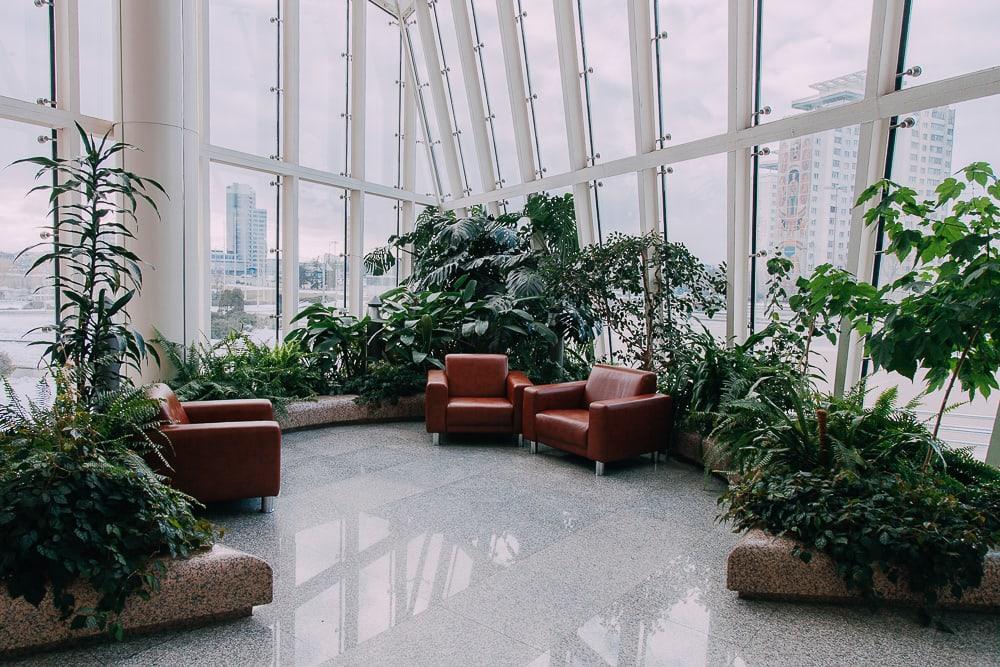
79 501
93 208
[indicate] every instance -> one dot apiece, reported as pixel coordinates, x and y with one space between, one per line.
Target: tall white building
246 235
805 196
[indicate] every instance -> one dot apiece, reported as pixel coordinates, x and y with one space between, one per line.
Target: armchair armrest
625 427
224 460
436 402
540 398
243 410
517 382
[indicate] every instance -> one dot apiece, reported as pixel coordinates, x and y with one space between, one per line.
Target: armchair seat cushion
563 427
479 413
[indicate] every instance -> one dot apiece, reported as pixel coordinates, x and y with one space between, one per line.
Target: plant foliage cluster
79 502
867 482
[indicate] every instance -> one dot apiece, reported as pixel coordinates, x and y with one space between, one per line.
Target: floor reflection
388 582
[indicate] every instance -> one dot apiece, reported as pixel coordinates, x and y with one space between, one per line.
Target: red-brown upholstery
219 450
616 414
475 393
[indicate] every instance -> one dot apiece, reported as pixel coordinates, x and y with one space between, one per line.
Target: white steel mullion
409 162
422 113
289 216
569 74
67 17
639 33
739 168
883 52
356 216
201 240
514 66
474 97
439 98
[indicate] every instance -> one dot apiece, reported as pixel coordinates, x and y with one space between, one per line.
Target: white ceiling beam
640 33
474 98
569 75
282 168
507 18
439 99
927 96
44 116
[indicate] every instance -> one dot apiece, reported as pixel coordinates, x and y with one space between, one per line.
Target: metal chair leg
599 468
533 446
267 504
436 438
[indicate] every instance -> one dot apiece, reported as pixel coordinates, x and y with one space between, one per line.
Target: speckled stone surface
762 566
388 550
219 584
327 410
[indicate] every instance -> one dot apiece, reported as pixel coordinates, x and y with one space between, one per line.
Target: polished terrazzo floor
389 551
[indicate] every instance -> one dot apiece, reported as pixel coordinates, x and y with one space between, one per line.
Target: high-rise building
806 195
246 235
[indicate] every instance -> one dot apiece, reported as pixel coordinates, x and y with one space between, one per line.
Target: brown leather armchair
616 414
220 450
475 393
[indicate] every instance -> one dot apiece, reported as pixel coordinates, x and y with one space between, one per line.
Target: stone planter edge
217 584
761 566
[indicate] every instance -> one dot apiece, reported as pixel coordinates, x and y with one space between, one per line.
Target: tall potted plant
93 205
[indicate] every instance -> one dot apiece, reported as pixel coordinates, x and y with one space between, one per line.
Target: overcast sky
804 42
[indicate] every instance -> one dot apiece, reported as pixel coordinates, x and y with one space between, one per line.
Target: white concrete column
161 115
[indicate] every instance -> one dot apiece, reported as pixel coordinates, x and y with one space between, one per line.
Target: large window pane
243 69
816 44
323 75
696 216
618 205
383 101
691 66
942 141
25 302
604 37
538 25
950 38
97 86
805 193
381 222
322 245
487 33
24 50
244 270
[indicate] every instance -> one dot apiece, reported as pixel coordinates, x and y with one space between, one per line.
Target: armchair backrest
608 382
171 410
476 375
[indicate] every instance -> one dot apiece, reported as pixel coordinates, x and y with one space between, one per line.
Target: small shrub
386 383
78 502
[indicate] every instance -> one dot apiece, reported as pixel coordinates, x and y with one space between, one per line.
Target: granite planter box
762 566
693 447
326 410
218 584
